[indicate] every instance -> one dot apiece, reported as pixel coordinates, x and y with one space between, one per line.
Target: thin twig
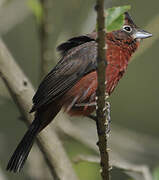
46 30
101 122
22 91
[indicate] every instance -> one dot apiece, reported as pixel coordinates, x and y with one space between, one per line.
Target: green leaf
115 17
156 174
36 8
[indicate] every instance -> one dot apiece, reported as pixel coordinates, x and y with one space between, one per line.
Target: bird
72 83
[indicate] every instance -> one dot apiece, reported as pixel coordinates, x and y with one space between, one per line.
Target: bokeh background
134 104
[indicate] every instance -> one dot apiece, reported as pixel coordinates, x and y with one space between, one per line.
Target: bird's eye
127 28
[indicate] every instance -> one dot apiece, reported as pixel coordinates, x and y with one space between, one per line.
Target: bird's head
130 31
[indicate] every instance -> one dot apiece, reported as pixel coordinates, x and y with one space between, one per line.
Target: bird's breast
80 99
117 60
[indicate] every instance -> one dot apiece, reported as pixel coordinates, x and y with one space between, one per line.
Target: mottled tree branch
101 122
22 91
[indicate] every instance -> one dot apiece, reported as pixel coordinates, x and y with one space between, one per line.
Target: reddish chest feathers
80 99
118 56
117 63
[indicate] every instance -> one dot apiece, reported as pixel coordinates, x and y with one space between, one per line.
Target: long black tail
21 153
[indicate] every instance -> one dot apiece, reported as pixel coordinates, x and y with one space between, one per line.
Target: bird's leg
93 117
85 104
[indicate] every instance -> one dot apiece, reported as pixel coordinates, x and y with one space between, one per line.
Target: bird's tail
43 117
21 153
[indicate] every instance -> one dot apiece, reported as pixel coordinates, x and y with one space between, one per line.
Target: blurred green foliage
115 17
156 173
85 170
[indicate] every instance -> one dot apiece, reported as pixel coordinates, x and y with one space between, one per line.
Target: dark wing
77 62
73 42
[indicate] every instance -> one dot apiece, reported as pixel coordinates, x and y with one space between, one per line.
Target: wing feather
71 68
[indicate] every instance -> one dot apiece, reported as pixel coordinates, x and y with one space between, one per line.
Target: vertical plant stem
101 97
46 30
